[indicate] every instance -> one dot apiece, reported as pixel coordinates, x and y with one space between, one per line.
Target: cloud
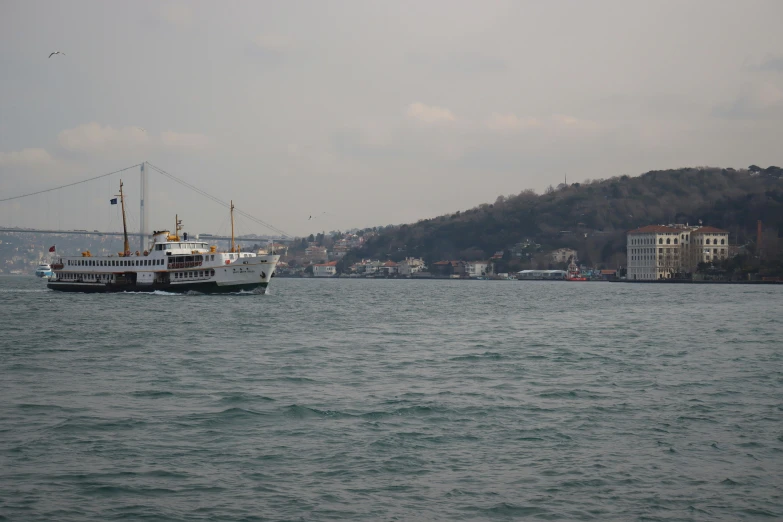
429 114
510 122
562 121
93 137
269 48
183 140
26 158
176 14
271 42
555 124
758 100
465 63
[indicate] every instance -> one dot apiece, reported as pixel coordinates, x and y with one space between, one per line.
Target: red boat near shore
574 274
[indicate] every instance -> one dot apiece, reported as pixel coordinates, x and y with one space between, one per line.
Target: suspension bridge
143 234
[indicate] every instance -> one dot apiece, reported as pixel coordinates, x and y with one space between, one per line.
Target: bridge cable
71 184
217 200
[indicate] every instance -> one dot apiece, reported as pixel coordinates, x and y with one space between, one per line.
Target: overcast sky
371 113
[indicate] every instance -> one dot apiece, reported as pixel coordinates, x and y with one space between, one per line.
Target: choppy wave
392 400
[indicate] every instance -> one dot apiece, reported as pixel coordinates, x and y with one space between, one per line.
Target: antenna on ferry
126 246
177 226
233 247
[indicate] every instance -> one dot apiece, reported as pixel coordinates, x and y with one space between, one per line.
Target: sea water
393 400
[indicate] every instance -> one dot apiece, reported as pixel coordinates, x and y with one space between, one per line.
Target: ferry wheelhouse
172 264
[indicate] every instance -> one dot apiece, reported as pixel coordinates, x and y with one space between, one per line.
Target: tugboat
573 273
172 264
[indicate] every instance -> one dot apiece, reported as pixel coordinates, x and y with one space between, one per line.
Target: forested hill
592 217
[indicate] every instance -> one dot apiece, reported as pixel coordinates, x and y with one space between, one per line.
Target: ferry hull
209 287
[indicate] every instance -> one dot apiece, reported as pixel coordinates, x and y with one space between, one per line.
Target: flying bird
56 52
311 217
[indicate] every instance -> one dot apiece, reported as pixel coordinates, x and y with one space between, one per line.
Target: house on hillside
563 255
316 253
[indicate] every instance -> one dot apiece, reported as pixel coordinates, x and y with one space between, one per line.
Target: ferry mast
233 246
126 249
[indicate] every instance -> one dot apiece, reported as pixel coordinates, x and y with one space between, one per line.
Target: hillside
591 217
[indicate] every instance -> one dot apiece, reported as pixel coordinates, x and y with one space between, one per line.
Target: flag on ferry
51 248
113 201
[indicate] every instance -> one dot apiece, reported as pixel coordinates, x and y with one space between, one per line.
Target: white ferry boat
172 264
43 270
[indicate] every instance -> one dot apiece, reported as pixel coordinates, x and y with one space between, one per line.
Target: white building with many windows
664 251
708 244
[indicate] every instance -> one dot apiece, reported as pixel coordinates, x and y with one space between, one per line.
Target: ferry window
213 272
212 257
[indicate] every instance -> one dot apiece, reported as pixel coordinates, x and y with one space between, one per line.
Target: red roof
443 263
332 263
390 263
709 230
653 229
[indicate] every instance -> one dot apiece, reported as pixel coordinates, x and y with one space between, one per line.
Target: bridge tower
143 210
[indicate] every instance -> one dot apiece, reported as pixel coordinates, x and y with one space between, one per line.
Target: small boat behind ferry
44 270
172 264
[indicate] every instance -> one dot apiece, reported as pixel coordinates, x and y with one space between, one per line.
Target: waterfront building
708 244
325 269
477 268
668 251
410 266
